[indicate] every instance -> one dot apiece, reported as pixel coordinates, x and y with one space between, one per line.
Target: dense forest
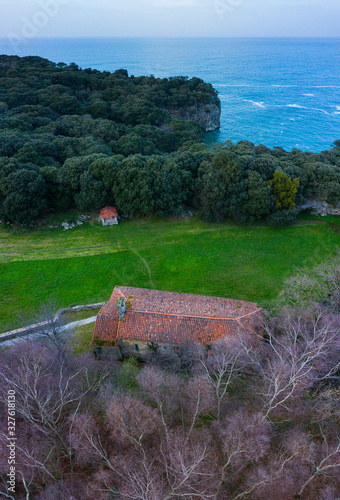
73 138
249 421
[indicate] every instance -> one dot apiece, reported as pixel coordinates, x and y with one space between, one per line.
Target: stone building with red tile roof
109 216
136 319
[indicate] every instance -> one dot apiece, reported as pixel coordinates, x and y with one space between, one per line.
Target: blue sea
278 92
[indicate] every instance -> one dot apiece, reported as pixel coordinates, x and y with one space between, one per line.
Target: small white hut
109 216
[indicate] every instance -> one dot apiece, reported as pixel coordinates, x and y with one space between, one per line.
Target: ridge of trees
82 138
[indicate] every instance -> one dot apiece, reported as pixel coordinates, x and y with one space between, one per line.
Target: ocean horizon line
129 37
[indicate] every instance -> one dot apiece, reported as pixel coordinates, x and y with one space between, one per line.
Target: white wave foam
309 95
259 104
310 86
233 85
296 106
322 111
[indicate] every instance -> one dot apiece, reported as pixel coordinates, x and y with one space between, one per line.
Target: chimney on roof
121 306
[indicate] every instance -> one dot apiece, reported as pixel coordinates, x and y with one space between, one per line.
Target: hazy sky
82 18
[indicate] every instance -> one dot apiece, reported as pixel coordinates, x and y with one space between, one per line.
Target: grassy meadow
84 264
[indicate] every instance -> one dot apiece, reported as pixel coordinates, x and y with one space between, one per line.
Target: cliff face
207 115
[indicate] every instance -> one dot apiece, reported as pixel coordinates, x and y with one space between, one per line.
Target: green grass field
81 339
84 264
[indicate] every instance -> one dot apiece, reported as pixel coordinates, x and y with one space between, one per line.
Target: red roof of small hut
108 212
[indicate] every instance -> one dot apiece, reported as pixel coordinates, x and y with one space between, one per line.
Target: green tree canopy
25 197
260 199
92 193
285 190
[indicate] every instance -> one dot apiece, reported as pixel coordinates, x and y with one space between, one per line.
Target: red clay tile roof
108 212
184 304
156 316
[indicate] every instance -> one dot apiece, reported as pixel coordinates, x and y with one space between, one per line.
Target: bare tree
326 405
196 400
47 391
177 398
44 318
190 466
163 391
129 426
185 458
266 480
7 494
327 460
297 358
155 461
50 328
132 419
222 365
243 439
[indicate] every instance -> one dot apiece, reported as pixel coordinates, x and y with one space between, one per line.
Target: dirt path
77 324
69 326
146 265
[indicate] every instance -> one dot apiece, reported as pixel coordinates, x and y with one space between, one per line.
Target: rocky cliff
320 208
207 115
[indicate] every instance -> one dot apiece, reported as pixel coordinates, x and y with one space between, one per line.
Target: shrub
283 218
